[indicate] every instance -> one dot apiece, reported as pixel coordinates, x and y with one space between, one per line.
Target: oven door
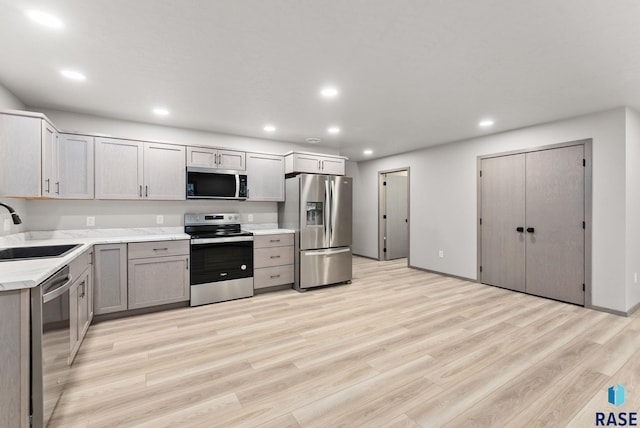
221 259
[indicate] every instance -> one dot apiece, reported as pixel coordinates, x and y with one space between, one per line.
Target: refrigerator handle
332 188
327 214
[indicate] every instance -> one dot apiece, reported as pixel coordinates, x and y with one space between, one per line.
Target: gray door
502 214
314 212
554 214
396 236
340 211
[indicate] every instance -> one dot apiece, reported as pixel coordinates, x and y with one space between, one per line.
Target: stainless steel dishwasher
50 345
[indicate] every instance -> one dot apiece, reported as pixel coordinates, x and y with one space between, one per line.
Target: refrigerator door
324 267
314 211
340 211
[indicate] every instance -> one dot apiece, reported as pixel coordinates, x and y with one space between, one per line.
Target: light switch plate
441 254
91 220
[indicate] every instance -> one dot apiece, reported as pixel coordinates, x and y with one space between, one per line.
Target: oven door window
221 261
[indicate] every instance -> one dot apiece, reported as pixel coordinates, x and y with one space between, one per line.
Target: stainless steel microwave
205 183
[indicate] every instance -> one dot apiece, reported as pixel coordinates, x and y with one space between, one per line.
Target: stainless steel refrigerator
319 208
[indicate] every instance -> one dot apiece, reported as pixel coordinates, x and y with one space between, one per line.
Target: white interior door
396 212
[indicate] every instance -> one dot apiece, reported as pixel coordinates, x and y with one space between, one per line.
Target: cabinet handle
58 187
274 240
215 159
187 264
520 229
146 191
530 230
141 190
48 186
275 257
161 249
82 284
275 276
319 167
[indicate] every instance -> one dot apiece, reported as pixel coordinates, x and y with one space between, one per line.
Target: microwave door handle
237 185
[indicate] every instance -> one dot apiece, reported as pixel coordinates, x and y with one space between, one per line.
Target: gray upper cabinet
314 163
265 177
50 168
21 155
119 170
128 169
209 157
164 172
75 163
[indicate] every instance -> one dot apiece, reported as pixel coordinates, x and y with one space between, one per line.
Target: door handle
520 229
530 230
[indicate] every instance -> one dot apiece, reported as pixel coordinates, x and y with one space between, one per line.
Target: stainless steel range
221 263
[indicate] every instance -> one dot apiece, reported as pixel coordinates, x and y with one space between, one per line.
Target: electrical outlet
91 220
441 254
635 276
7 225
159 219
250 217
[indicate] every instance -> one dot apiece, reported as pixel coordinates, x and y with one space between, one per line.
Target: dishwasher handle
56 287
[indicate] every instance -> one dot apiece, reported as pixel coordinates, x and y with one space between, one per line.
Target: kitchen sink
25 253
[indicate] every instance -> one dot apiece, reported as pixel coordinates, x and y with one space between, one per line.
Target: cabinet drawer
80 264
272 256
140 250
282 240
271 276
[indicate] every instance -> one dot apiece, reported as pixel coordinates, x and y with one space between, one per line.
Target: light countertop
259 232
19 274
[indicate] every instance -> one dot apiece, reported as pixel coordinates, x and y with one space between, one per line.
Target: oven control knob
243 267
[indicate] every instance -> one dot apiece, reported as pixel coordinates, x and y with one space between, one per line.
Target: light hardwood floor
396 348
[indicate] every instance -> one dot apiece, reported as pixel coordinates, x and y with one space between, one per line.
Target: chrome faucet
14 216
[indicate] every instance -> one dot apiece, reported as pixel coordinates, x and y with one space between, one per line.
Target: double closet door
532 223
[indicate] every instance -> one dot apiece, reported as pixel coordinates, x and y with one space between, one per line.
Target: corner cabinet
209 157
127 169
265 177
75 166
158 273
314 163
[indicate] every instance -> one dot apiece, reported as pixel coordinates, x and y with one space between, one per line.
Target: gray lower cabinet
272 260
14 359
158 273
80 310
110 278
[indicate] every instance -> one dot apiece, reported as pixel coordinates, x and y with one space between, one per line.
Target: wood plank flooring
396 348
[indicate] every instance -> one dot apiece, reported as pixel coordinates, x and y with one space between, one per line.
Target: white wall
633 207
443 198
9 101
84 123
59 215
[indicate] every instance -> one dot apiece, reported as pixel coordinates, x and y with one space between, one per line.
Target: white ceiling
411 73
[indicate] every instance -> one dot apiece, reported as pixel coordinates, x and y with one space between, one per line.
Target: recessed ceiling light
73 75
486 123
329 92
161 111
312 140
269 128
368 152
44 18
333 130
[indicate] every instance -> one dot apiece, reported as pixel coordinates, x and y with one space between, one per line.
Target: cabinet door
164 172
265 177
74 322
50 175
202 156
119 166
76 166
332 166
306 163
158 281
110 278
20 156
84 300
231 159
